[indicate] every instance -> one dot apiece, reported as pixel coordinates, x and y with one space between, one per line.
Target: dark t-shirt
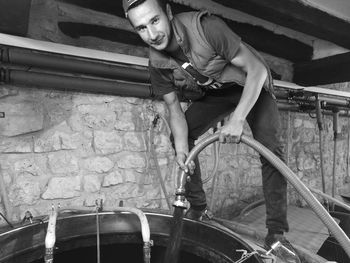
223 40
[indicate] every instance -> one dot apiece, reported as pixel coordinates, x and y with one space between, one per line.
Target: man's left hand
231 132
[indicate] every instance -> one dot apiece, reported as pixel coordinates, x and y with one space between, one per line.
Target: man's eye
141 29
155 21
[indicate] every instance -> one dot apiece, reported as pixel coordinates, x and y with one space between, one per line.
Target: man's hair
161 3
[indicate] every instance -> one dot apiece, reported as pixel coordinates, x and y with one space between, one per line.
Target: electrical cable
154 154
4 198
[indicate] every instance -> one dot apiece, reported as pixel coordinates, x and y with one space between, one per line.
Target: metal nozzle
180 200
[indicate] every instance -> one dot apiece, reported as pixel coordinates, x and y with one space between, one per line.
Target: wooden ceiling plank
296 15
334 69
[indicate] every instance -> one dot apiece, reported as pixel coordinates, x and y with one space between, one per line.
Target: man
195 50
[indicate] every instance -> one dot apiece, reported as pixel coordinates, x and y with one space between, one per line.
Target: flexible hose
315 205
315 191
330 198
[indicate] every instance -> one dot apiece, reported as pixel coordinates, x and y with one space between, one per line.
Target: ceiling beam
329 70
256 36
14 17
298 16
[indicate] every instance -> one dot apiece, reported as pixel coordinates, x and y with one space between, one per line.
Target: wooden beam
76 30
298 16
271 43
14 17
87 17
334 69
77 14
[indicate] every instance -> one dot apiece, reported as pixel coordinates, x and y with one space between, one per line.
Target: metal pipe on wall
71 64
37 79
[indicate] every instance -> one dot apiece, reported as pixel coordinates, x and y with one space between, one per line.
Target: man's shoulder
191 15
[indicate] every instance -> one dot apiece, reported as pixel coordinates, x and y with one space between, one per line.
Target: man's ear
169 12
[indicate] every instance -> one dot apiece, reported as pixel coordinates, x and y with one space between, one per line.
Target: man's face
152 24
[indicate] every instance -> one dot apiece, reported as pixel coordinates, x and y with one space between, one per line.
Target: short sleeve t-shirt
223 40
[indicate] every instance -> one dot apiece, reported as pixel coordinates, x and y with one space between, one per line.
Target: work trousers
264 122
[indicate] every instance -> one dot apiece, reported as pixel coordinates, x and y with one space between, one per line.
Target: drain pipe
145 229
50 238
315 205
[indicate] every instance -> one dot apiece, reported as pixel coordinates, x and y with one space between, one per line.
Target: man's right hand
181 159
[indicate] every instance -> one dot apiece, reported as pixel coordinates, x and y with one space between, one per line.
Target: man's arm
255 78
178 127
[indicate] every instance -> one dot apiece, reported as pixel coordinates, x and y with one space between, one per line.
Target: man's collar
179 31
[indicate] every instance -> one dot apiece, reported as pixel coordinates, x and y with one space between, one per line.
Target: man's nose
152 32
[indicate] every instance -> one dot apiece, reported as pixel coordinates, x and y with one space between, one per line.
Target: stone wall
73 148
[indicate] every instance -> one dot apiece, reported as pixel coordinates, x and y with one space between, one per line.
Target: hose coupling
147 251
180 200
48 258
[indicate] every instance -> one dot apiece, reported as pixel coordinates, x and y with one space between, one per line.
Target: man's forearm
251 92
179 130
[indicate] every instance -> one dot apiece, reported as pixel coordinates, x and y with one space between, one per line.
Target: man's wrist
181 152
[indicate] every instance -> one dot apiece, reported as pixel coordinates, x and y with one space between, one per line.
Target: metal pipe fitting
50 238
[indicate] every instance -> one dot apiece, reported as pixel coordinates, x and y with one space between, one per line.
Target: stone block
6 90
27 166
21 117
297 123
107 142
63 162
125 191
92 183
97 116
16 145
131 176
309 124
25 190
112 178
59 137
62 188
130 121
135 142
162 143
98 164
127 160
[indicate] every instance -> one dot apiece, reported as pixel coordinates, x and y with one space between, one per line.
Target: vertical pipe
335 139
4 197
50 238
320 128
